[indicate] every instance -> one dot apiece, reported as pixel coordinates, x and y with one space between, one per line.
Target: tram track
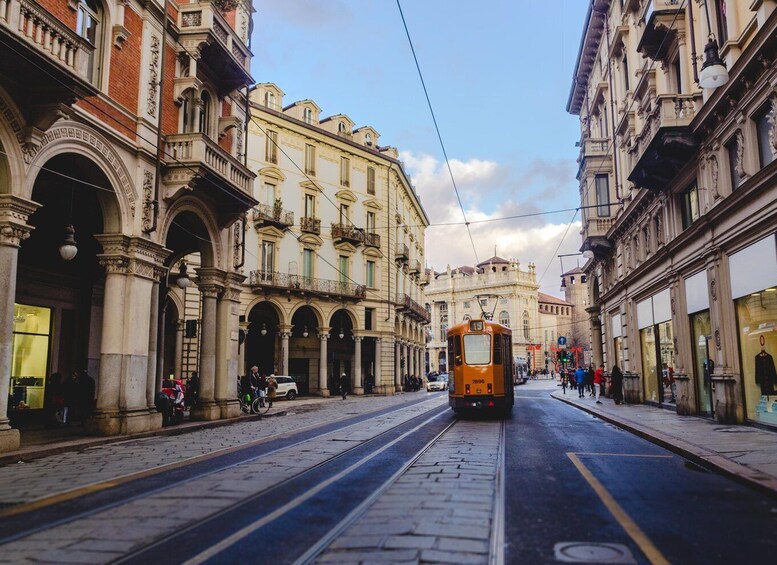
141 486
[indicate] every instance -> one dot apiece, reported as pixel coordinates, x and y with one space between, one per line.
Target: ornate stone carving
148 201
153 75
739 158
114 265
78 132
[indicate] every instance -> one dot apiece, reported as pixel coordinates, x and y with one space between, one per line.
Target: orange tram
480 371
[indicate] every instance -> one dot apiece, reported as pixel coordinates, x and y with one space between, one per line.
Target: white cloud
530 239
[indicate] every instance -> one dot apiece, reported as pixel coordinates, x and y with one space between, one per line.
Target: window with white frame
345 171
310 159
271 149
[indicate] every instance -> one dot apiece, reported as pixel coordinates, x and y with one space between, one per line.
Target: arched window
504 318
205 113
89 26
526 325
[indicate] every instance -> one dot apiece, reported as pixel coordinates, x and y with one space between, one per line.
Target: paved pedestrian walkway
743 452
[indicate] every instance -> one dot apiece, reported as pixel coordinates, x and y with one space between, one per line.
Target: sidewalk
37 443
744 453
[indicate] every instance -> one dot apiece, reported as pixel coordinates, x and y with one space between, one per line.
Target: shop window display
757 322
657 365
29 357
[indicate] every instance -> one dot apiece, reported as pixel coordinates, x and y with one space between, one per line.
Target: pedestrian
272 386
598 379
580 380
589 380
344 385
617 384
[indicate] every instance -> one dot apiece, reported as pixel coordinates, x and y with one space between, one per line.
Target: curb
709 460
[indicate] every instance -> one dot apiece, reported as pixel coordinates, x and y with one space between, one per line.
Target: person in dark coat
616 380
344 385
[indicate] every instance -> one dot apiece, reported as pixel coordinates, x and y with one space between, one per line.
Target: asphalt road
579 487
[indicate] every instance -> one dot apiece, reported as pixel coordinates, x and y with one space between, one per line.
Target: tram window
497 349
457 349
477 349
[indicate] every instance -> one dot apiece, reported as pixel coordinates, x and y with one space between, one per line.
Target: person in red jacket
598 379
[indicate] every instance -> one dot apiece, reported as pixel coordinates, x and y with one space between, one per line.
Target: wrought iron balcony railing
268 214
310 225
343 232
271 280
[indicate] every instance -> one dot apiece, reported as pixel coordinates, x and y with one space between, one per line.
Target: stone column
14 212
727 400
106 419
206 408
153 334
397 366
596 335
285 333
323 365
357 362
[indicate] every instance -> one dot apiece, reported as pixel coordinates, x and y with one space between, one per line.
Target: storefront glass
701 329
757 323
657 348
29 356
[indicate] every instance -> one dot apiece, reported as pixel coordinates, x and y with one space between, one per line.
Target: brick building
121 144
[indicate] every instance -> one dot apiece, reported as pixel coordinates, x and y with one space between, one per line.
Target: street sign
562 340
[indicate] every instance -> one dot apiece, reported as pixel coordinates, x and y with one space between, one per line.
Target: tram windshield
477 349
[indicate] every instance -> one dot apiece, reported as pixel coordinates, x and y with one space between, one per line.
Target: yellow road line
652 553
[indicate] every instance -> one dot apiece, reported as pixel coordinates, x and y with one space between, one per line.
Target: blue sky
498 73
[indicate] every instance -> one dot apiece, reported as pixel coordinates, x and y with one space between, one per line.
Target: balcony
412 308
310 225
270 281
372 240
402 253
265 215
662 20
54 66
203 29
665 144
193 161
342 233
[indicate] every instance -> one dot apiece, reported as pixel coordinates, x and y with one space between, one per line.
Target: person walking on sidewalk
616 377
598 379
580 380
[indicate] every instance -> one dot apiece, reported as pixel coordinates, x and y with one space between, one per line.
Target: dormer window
269 100
307 116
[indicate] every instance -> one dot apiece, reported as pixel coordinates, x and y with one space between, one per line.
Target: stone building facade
681 184
334 252
120 140
496 286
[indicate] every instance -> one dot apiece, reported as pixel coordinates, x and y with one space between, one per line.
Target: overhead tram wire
437 129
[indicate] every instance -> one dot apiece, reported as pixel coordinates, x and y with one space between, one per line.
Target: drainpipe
158 162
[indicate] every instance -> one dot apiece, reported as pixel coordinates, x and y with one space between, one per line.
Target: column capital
14 213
